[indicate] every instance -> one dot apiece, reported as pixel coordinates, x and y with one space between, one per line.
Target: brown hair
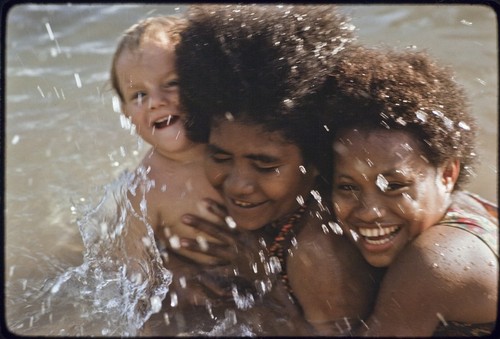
408 91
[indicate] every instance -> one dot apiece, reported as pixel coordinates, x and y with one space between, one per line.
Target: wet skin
149 84
386 192
258 173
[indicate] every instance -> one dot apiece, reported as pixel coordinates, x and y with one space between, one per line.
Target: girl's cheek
215 174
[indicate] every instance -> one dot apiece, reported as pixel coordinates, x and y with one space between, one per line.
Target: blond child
170 180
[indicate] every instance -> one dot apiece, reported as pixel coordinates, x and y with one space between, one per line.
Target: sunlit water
66 149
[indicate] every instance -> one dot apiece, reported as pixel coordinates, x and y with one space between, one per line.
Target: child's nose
158 99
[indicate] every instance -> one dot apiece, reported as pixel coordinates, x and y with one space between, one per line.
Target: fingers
216 208
220 232
221 254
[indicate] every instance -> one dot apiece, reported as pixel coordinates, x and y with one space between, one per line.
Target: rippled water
64 141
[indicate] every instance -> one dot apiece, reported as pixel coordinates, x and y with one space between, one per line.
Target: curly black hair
264 64
404 90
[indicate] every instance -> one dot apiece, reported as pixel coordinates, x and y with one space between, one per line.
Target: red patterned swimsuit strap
286 233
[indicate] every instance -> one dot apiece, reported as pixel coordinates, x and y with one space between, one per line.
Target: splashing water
112 292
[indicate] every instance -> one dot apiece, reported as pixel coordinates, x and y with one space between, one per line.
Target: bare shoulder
445 274
331 279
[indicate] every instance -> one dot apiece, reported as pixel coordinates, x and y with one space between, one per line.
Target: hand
239 253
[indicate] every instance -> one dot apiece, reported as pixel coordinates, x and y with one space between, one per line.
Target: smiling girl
403 148
249 76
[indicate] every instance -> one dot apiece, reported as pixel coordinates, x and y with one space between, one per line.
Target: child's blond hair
162 29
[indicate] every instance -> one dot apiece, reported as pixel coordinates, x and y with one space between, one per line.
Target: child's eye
138 97
171 84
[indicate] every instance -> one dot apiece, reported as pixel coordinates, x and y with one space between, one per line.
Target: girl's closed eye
347 187
219 157
267 168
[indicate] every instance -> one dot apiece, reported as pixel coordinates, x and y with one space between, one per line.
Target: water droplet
448 123
155 304
382 182
174 241
464 126
49 30
465 22
147 242
166 318
115 101
302 169
325 229
182 282
229 116
78 80
481 81
354 235
335 228
421 115
435 265
401 121
300 200
15 139
230 222
441 318
202 242
40 91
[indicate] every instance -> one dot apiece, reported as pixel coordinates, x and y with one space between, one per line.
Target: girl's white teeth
377 232
242 203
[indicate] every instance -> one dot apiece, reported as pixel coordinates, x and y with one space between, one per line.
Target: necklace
283 236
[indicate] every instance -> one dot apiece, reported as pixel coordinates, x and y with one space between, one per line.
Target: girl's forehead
385 150
389 139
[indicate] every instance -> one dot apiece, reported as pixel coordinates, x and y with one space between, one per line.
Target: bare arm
444 275
333 283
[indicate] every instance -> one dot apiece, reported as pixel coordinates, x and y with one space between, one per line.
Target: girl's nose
237 183
370 209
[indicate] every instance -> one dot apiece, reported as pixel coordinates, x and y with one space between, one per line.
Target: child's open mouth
165 122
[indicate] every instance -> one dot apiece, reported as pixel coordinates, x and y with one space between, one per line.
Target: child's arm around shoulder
445 274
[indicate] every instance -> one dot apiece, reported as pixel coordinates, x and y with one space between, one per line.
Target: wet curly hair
404 90
263 64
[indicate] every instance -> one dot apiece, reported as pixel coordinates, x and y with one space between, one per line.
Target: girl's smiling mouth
378 235
245 204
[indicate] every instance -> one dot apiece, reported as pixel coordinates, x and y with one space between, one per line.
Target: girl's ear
451 170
